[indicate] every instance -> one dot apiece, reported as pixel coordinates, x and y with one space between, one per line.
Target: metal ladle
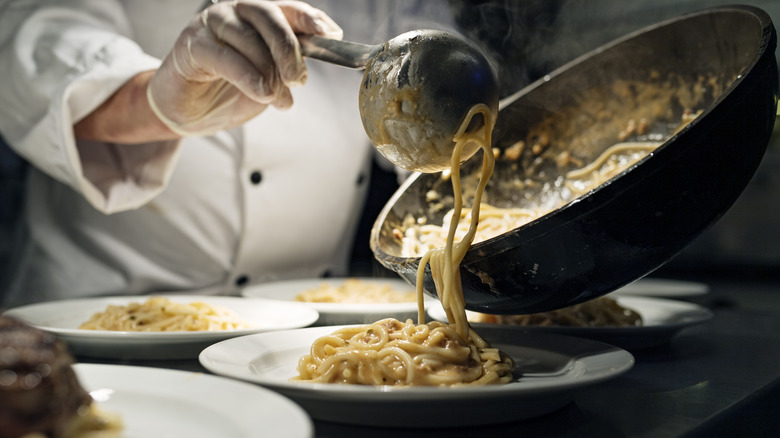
416 90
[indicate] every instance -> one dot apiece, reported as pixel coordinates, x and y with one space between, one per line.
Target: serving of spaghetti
159 314
355 291
599 312
391 352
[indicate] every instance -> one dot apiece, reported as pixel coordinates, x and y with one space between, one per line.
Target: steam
528 39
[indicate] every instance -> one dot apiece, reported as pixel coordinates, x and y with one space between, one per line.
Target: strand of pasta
609 152
445 262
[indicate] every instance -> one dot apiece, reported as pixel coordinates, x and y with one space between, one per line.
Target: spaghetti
390 352
608 165
599 312
355 291
161 314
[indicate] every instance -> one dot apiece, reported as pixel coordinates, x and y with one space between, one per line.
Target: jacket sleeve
60 60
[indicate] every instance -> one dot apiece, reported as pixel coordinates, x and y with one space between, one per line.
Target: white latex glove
232 61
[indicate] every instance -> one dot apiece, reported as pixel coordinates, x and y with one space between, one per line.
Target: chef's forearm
125 117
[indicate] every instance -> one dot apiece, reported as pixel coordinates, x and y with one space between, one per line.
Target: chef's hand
232 61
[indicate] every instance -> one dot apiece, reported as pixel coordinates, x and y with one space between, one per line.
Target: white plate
341 313
551 367
662 319
660 287
64 317
163 403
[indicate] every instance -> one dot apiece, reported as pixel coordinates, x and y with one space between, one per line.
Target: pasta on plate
599 312
355 291
163 315
390 352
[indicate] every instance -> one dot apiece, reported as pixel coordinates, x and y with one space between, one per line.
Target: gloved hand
232 61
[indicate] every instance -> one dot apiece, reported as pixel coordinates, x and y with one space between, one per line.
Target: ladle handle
343 53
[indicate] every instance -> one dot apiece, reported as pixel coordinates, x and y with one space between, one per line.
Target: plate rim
303 427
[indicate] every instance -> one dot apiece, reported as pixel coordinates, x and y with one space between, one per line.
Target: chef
171 153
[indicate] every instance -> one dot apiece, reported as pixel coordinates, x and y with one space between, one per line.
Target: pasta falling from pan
391 352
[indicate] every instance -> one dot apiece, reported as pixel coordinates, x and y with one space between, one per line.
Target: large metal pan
720 61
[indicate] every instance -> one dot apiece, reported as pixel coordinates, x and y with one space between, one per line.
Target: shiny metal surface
415 92
343 53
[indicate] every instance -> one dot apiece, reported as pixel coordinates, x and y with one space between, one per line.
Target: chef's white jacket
277 198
